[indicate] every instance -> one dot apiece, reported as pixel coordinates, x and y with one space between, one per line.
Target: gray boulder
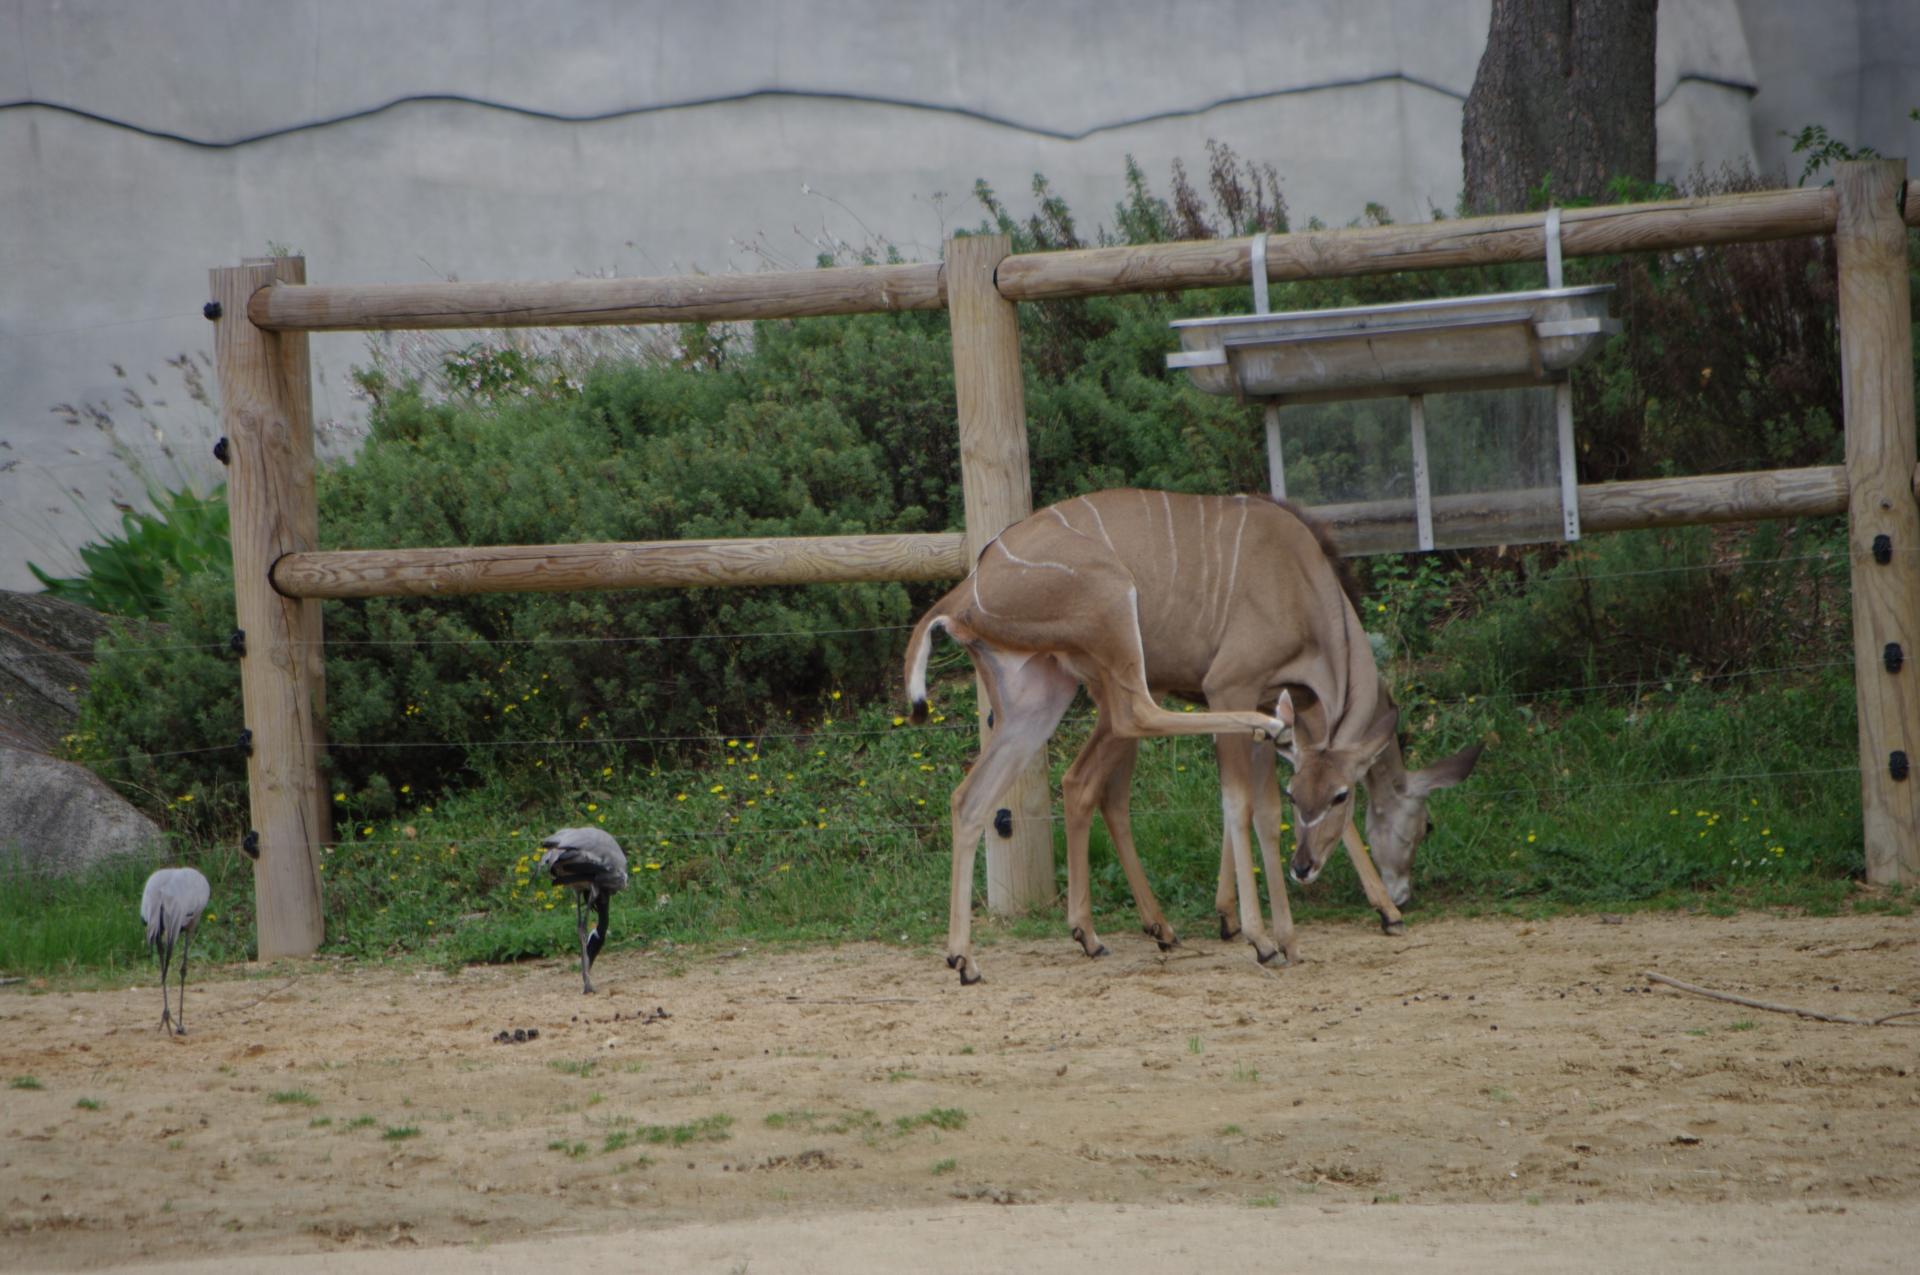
61 818
46 646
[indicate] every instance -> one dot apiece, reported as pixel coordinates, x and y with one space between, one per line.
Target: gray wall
741 134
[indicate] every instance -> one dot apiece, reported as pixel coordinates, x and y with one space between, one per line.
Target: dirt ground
1476 1094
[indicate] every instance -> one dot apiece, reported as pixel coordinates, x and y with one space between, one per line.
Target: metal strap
1259 268
1555 279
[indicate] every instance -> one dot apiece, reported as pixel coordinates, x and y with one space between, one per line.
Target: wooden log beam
688 299
661 564
1876 381
997 486
1383 526
266 413
1472 241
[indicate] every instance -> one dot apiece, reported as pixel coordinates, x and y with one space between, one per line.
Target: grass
572 1150
582 1068
25 1082
944 1166
706 1129
1653 802
400 1133
361 1122
87 1104
936 1117
293 1098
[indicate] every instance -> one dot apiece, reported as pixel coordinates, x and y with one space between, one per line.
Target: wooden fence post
266 411
1876 375
998 490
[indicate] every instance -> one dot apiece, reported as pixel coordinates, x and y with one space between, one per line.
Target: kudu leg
1080 793
1102 776
1029 695
1235 758
1267 810
1376 889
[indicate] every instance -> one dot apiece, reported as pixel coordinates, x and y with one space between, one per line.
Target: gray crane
171 906
592 865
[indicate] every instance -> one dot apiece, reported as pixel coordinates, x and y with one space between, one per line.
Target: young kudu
1134 594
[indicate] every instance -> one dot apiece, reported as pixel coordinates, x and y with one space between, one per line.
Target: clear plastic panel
1492 458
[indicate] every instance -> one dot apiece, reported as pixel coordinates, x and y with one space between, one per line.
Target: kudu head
1324 779
1397 819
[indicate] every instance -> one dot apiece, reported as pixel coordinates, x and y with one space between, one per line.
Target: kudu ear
1379 735
1445 773
1284 709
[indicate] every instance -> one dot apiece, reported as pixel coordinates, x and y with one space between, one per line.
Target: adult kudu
1236 600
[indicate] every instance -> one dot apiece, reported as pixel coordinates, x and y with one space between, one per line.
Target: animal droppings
518 1036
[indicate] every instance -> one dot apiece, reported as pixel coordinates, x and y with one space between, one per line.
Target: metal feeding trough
1503 341
1491 342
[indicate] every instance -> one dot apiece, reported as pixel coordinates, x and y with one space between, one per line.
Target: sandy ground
1477 1095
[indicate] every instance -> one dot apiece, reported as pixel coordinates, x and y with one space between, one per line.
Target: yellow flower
679 796
592 806
339 796
717 789
185 796
834 696
786 867
899 721
733 743
406 787
652 866
606 770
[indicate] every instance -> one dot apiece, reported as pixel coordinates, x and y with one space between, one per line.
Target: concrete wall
737 134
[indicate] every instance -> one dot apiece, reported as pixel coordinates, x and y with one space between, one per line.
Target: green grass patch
361 1122
583 1068
400 1133
293 1098
87 1104
936 1118
713 1128
25 1082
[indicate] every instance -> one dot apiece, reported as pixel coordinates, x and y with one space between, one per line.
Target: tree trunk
1564 95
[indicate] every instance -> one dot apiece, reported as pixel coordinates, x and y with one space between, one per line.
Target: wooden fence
263 309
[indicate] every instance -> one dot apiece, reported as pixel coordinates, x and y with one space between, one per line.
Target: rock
62 818
46 646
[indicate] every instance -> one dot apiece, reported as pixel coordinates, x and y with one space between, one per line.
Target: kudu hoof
969 975
1391 926
1229 930
1162 935
1268 955
1095 951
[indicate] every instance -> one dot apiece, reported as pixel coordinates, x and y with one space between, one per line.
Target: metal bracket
1897 765
245 742
1003 822
237 643
211 310
220 450
250 844
1883 549
1893 657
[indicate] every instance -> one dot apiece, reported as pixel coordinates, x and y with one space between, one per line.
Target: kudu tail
919 647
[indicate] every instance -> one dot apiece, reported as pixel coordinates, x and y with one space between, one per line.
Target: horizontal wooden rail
720 298
1470 241
686 564
1320 254
694 564
1379 526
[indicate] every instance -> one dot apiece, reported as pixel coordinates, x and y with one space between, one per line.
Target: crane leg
165 949
580 917
180 1020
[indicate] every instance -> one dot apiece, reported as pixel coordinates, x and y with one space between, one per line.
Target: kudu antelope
1135 593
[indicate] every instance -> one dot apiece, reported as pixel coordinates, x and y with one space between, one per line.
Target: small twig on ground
1783 1009
239 1009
